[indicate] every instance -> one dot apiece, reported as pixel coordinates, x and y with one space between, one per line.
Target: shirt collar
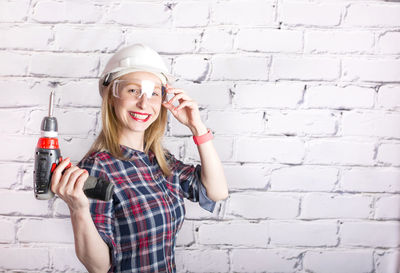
131 153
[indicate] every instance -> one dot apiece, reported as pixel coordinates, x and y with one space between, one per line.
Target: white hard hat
137 57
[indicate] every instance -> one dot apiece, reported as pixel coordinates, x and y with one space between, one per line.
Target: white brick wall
303 97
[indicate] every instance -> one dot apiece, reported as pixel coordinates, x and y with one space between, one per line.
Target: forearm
90 248
212 173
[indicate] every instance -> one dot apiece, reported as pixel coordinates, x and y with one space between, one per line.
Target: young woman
136 230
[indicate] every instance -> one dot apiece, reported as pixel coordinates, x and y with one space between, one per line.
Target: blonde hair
108 138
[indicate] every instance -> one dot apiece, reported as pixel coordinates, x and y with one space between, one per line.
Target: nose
142 101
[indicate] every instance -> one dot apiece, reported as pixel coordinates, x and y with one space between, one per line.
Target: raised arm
187 113
212 173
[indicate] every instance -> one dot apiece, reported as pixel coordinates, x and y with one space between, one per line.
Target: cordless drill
48 156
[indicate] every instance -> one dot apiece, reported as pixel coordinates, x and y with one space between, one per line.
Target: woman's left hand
187 112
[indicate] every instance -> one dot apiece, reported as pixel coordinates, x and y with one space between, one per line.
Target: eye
133 90
157 92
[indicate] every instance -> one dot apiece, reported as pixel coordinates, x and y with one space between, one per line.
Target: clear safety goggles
136 88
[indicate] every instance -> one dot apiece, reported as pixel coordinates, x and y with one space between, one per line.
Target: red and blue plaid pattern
141 221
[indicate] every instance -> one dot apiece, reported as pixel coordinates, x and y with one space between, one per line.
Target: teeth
139 116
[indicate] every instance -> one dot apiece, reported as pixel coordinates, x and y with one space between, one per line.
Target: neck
133 140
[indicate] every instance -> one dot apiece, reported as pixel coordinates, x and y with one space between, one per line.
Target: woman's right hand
68 186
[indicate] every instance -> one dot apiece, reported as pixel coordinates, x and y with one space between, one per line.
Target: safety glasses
136 88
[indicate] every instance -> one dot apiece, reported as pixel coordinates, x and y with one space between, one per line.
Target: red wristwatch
203 138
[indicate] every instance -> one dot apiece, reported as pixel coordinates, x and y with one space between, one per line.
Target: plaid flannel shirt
140 223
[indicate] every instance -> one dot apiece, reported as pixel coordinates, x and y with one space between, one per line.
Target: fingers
70 184
190 104
57 173
65 177
180 97
173 90
81 181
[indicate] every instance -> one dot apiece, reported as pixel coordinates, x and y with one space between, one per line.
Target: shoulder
96 158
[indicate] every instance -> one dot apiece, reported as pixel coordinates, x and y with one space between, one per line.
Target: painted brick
247 176
338 151
330 96
370 180
216 40
262 260
194 68
243 12
80 93
214 260
389 97
18 117
324 261
63 65
326 205
186 234
87 39
313 13
11 173
25 37
22 203
386 208
268 95
233 122
167 40
34 258
301 122
303 233
60 12
304 68
373 15
381 124
7 227
228 67
371 70
240 234
359 234
46 230
388 43
20 63
387 261
17 11
65 259
304 178
266 40
389 153
288 150
137 14
25 93
263 205
191 14
338 41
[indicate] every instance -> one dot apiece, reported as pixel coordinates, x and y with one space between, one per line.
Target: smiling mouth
139 116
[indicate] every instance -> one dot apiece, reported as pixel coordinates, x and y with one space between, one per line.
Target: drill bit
51 104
